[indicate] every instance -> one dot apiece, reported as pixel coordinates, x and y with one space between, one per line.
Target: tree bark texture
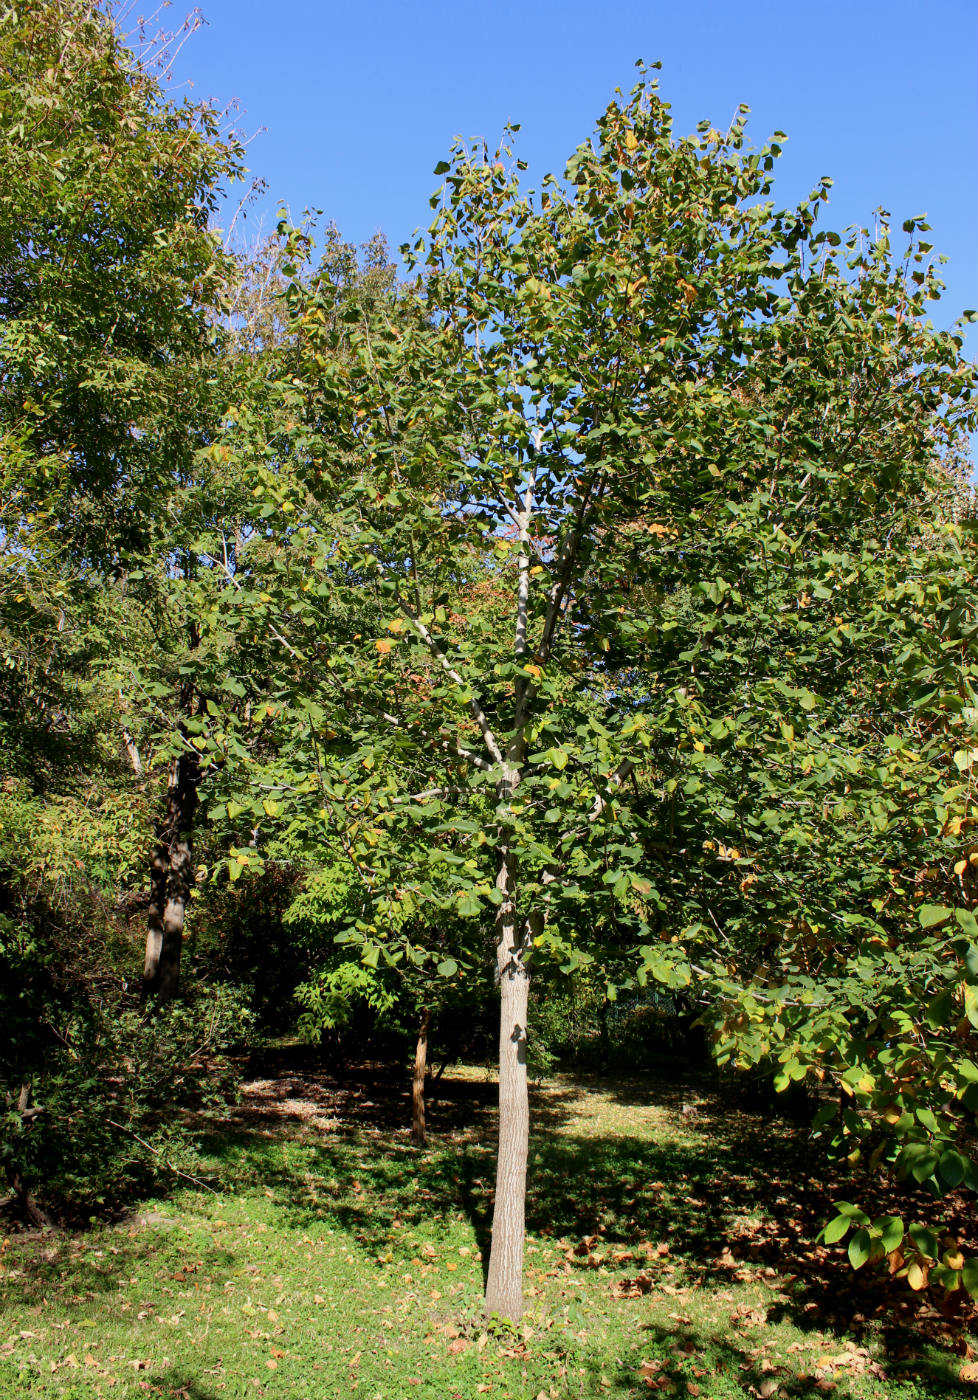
504 1286
418 1136
171 880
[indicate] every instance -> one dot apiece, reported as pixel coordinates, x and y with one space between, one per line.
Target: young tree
642 388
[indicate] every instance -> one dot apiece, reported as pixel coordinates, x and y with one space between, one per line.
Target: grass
669 1253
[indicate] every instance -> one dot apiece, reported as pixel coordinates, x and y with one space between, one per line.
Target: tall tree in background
109 275
109 278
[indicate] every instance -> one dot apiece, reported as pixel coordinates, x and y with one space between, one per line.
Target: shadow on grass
172 1385
66 1270
732 1196
699 1363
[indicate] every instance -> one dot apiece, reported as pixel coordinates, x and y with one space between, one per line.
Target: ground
671 1251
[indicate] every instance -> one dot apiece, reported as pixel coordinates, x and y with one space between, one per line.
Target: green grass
667 1255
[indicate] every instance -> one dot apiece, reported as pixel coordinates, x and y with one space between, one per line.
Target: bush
112 1112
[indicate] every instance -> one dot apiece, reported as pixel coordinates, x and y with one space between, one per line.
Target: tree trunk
417 1087
28 1206
171 879
504 1286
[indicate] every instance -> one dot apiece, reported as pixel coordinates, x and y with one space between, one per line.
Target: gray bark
171 880
504 1286
418 1132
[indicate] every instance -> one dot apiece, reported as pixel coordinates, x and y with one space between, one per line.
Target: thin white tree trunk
504 1286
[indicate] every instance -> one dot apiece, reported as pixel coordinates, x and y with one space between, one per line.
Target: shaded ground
671 1250
736 1193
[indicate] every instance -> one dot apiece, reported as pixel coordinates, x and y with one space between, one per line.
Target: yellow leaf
631 141
383 646
960 866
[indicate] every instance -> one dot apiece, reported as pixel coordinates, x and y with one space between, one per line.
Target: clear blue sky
357 101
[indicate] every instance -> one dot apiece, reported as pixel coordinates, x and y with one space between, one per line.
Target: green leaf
860 1247
918 1160
968 922
836 1228
891 1232
925 1116
953 1168
939 1009
931 915
969 1276
925 1241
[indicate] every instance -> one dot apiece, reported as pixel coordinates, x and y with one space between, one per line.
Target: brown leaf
633 1287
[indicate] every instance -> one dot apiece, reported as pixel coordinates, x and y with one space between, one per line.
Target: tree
602 419
109 274
874 994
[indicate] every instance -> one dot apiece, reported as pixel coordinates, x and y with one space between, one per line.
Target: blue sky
357 102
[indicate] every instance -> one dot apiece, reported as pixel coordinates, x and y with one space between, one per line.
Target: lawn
672 1251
